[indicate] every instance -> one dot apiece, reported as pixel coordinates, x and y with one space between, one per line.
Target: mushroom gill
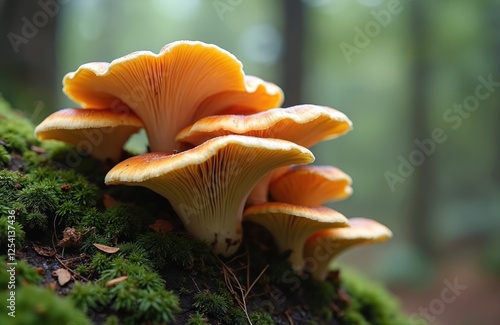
170 90
98 132
291 225
323 246
208 185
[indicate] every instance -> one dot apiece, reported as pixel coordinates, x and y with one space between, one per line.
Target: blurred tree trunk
423 176
28 55
294 44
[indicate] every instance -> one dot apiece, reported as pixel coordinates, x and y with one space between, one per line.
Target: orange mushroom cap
305 125
208 185
291 225
186 81
98 132
323 246
311 185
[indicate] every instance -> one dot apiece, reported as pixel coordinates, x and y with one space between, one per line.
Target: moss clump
179 249
260 318
370 303
8 228
4 156
41 306
212 304
140 298
16 132
198 319
25 273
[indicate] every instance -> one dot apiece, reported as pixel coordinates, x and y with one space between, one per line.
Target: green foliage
32 158
16 142
112 320
212 304
88 296
4 156
260 318
122 221
25 273
100 262
10 183
5 228
370 303
180 250
40 197
198 319
82 269
41 306
36 220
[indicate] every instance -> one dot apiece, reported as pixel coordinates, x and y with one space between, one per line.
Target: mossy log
144 269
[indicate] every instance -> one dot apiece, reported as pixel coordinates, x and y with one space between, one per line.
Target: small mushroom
291 225
98 132
323 246
311 185
170 90
208 185
305 125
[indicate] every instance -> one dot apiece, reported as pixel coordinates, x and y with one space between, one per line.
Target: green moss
32 158
11 233
41 306
25 273
198 319
369 303
40 197
10 183
4 156
260 318
15 129
37 221
88 296
178 249
212 304
112 320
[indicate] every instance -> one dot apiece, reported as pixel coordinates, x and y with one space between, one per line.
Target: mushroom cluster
222 150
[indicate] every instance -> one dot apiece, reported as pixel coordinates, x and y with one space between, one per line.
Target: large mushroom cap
208 185
311 185
98 132
324 245
291 225
172 89
305 125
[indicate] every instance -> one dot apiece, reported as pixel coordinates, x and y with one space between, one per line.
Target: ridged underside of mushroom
172 89
208 185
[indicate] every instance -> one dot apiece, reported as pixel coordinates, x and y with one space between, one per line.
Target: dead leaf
63 276
161 226
71 238
44 251
108 201
106 249
115 281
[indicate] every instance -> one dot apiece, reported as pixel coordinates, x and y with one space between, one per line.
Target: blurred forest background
399 69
